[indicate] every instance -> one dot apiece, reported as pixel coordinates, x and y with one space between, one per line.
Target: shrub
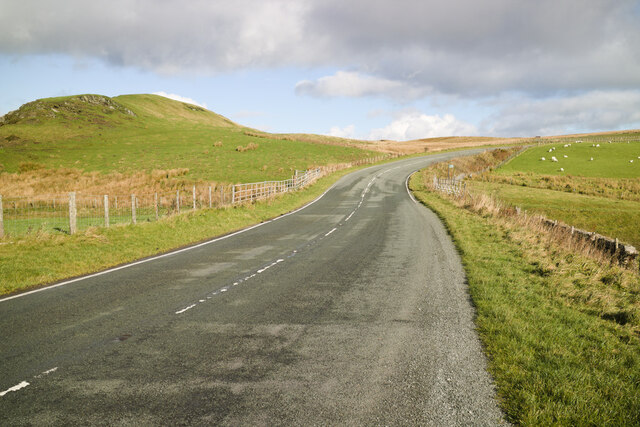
251 146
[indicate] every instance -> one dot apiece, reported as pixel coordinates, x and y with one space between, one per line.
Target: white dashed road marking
263 269
24 384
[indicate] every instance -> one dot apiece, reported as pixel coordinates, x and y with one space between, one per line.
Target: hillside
95 140
441 143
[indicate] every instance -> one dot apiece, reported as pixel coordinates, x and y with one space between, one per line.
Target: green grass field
164 134
601 195
609 160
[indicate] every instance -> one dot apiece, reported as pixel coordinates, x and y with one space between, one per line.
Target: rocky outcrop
71 107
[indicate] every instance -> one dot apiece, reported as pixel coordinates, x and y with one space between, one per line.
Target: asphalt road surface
353 310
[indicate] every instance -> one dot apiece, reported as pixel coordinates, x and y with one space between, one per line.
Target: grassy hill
138 134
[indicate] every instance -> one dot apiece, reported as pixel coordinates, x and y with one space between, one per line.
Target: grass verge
607 216
42 258
561 331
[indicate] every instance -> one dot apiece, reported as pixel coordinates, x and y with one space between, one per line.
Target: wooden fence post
133 208
233 194
155 204
194 197
210 202
72 213
178 200
1 219
106 210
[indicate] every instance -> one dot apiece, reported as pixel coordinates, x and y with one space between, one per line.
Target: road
353 310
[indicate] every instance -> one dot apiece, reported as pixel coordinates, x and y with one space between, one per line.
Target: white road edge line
111 270
406 184
23 384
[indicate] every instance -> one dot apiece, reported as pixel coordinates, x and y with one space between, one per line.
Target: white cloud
345 132
416 125
466 47
591 111
180 98
571 62
354 84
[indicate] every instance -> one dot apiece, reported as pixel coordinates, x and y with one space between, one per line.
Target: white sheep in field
561 169
550 150
543 159
553 158
597 145
566 145
630 161
566 157
591 159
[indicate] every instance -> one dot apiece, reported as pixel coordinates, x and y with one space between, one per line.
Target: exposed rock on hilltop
89 107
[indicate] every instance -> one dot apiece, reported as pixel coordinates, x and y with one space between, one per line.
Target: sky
367 69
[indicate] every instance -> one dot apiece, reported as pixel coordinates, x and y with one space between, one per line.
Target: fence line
453 186
76 211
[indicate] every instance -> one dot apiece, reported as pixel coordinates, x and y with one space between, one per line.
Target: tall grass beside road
561 330
604 215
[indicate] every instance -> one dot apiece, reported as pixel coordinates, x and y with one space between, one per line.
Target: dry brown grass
475 164
400 147
248 147
533 227
439 144
614 188
41 183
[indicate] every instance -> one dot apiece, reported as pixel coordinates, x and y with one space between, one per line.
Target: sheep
561 169
553 158
543 159
631 161
566 145
550 150
591 159
597 145
565 156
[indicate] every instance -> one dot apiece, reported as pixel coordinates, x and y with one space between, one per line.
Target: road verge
561 331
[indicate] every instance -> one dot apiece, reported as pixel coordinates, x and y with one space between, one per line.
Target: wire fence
69 213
